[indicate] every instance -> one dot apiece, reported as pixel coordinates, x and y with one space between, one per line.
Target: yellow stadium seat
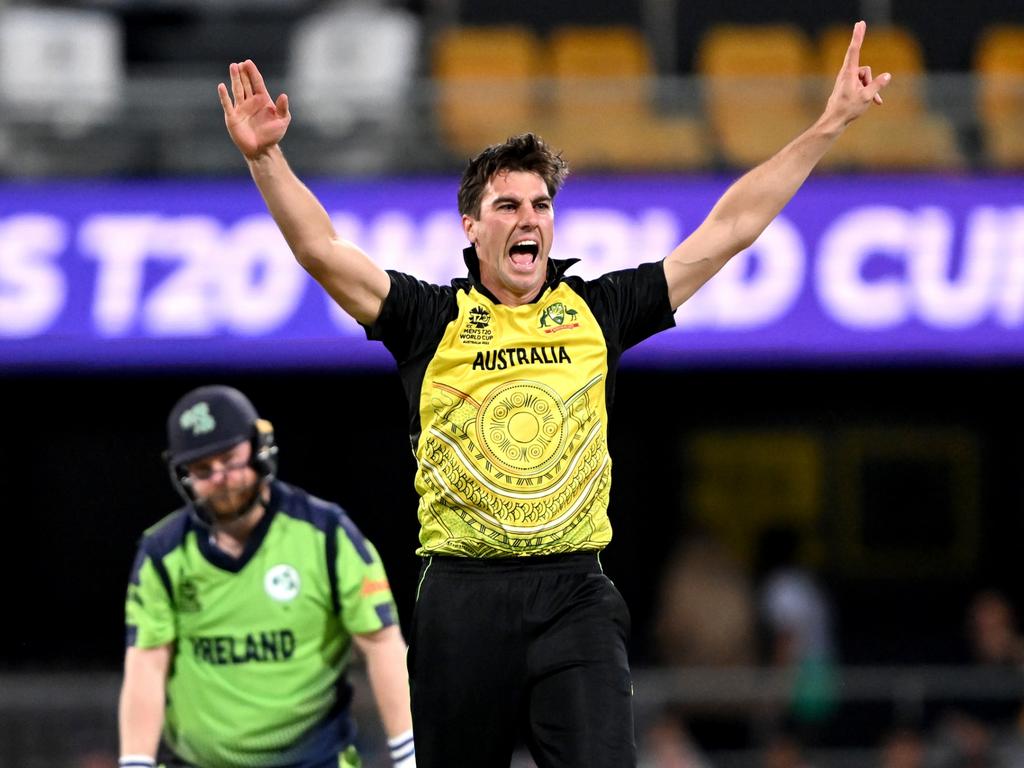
903 134
598 69
755 88
602 114
486 79
999 66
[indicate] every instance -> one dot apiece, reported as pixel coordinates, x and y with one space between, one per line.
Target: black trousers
530 649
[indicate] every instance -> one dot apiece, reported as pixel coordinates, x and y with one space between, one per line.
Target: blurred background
817 475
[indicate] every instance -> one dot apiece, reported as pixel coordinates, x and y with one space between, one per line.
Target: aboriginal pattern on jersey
513 455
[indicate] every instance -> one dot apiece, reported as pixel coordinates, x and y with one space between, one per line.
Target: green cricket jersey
509 405
261 642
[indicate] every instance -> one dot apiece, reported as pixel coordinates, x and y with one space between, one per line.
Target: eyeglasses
206 472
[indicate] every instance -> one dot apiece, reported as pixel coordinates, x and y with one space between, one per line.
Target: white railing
60 718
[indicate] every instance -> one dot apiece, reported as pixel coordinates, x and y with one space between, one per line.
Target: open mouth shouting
524 254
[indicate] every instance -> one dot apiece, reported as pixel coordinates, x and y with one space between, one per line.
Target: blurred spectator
667 744
963 741
981 731
96 758
705 614
797 619
706 618
903 747
992 630
784 750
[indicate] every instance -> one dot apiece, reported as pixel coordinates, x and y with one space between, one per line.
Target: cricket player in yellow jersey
509 373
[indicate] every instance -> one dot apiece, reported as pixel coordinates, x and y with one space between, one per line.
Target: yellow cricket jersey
509 405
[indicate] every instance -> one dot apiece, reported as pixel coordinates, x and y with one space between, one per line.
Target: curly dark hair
525 152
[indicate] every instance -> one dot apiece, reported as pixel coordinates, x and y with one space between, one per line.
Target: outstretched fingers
243 72
245 81
874 87
282 105
236 83
255 78
852 61
870 86
864 75
225 100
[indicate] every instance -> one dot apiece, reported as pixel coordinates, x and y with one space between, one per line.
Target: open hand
255 122
855 88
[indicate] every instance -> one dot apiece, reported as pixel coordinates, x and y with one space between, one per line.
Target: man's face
224 483
513 235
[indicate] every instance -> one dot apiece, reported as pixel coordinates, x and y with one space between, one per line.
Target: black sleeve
631 304
413 317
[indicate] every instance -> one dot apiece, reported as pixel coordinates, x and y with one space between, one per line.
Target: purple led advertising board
880 270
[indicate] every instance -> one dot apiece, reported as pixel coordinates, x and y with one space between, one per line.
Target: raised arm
750 204
256 124
141 706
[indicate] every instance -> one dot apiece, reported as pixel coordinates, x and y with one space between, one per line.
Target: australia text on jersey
509 357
